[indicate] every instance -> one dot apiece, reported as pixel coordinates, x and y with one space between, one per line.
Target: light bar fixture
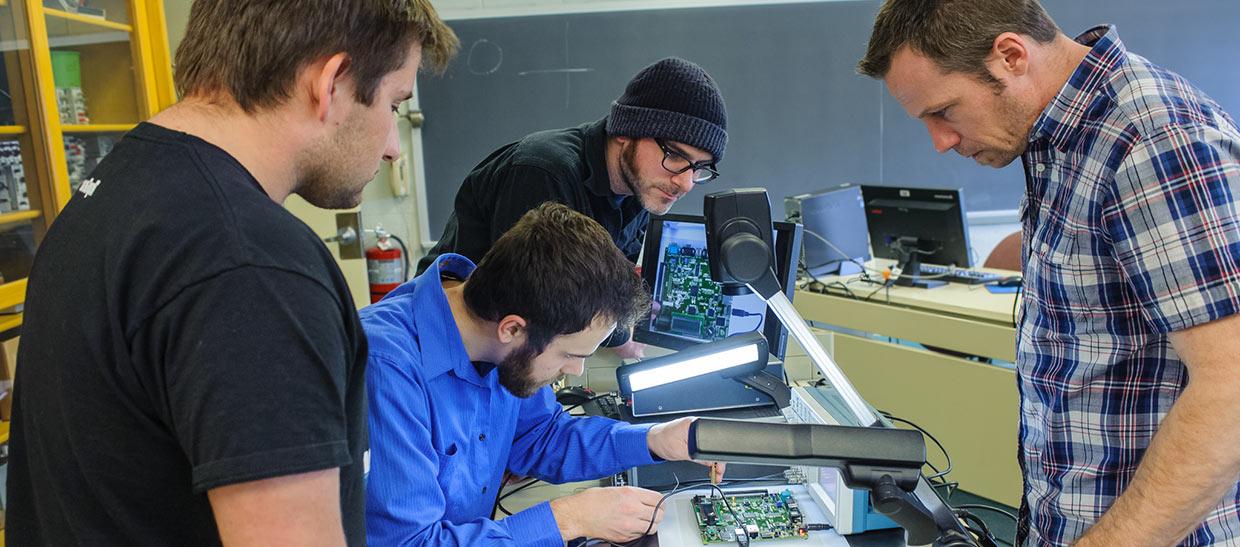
675 372
732 356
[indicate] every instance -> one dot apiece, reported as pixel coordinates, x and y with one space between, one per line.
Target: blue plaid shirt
1131 233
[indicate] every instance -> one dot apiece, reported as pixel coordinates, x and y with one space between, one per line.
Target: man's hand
616 514
670 441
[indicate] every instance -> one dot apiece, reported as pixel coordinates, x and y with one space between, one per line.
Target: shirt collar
443 349
1060 121
599 182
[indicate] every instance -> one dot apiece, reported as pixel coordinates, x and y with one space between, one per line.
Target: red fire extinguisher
387 264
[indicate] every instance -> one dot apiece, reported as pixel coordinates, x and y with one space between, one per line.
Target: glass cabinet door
99 77
24 184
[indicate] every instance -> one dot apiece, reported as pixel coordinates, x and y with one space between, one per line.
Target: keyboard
606 405
956 275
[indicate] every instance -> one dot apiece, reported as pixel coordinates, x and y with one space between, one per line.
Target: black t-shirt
564 165
182 332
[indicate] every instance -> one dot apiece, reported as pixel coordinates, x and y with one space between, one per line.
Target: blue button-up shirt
443 430
1131 232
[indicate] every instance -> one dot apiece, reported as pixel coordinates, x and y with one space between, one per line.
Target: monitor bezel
788 236
960 222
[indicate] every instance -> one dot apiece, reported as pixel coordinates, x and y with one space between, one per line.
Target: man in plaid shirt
1130 393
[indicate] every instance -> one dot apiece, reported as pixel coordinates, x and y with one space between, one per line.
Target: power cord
499 501
692 485
847 258
1020 291
1003 512
948 457
737 312
404 252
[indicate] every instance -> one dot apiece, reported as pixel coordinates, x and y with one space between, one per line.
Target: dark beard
515 372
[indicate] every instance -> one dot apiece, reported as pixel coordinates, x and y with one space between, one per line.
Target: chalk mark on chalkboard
484 61
554 71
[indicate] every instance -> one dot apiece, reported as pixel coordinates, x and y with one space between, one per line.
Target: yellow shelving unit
99 128
78 80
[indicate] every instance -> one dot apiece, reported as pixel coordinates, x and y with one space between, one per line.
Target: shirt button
482 436
484 489
1040 168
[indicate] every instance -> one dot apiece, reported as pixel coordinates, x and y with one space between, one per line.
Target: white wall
469 9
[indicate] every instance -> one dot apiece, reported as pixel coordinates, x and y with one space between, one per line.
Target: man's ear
511 329
1009 56
325 83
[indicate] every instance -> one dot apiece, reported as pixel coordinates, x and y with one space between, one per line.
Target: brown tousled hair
559 270
252 49
956 34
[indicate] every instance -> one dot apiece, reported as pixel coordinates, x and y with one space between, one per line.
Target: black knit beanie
676 100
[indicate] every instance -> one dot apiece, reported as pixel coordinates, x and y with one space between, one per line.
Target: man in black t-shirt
191 365
666 133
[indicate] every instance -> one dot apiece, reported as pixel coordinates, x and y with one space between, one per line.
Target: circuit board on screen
762 516
691 304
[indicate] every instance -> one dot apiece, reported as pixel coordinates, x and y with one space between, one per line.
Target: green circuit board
691 304
762 515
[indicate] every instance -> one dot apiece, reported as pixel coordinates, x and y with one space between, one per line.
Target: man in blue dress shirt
460 362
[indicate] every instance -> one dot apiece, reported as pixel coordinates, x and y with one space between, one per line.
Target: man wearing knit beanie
666 133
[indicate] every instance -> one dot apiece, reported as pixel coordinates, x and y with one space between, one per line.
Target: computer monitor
932 219
690 308
836 241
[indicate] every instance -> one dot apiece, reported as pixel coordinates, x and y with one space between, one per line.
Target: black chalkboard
800 119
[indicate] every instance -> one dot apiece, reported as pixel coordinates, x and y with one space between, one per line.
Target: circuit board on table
762 516
691 304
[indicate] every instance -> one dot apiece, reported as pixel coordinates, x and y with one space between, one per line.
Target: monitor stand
909 251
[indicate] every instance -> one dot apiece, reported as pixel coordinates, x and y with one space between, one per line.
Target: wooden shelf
88 39
12 130
10 321
18 216
90 21
12 293
99 128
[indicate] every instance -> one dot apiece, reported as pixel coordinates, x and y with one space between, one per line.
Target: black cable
885 285
519 488
971 518
825 285
1016 300
795 218
404 252
981 531
948 457
962 512
1003 512
678 488
950 486
499 501
700 484
739 525
500 505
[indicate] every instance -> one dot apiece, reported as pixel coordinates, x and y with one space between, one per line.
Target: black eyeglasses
676 163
